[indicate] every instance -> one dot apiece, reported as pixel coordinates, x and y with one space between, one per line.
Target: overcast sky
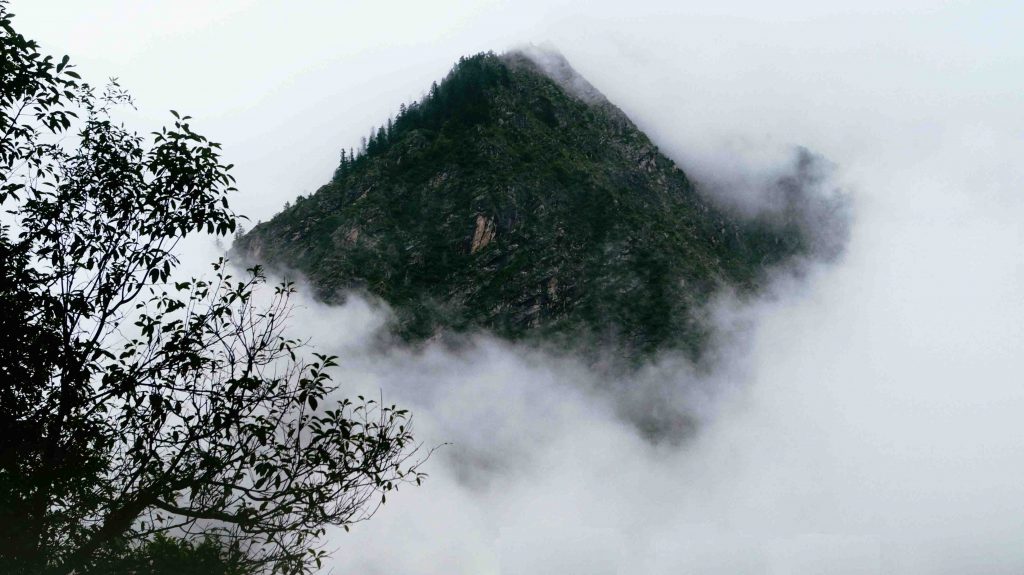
875 423
285 85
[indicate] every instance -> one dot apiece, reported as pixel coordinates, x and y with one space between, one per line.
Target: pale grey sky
284 85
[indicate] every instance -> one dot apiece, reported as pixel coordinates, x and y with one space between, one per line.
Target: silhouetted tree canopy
146 417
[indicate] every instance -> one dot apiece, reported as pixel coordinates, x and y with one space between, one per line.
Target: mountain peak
552 63
515 198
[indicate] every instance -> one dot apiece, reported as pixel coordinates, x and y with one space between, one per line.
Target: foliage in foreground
144 415
167 555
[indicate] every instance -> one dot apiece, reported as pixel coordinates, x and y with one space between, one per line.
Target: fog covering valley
862 416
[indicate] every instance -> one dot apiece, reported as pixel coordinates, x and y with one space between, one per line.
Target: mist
861 417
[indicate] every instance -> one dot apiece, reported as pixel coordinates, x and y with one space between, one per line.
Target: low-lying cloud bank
862 418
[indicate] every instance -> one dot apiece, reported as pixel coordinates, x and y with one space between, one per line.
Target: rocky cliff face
515 198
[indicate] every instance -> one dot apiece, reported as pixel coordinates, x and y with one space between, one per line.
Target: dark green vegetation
151 423
521 201
166 555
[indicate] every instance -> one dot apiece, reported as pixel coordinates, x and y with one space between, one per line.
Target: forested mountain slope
515 198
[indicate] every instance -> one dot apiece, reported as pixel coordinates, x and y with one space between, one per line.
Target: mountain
514 197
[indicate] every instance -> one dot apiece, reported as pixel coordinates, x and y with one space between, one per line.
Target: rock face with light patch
483 234
515 198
